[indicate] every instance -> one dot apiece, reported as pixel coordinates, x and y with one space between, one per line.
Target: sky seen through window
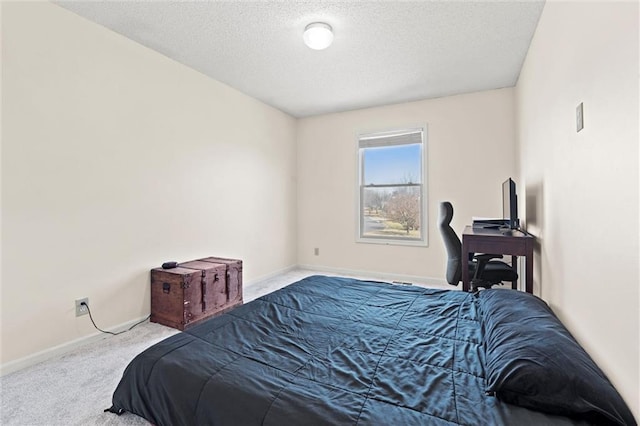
392 164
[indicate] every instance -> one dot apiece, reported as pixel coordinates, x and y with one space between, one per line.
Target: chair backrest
452 244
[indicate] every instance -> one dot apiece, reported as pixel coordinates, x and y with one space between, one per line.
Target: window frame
423 241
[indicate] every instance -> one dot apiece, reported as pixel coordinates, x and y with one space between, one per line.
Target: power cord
110 332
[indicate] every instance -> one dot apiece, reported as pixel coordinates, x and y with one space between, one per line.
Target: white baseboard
271 275
62 349
404 278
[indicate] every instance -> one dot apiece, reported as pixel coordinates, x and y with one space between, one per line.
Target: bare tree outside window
375 201
404 208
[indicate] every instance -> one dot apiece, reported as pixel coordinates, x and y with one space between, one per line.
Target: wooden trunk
190 293
234 278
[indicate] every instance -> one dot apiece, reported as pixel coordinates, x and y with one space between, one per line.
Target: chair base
477 283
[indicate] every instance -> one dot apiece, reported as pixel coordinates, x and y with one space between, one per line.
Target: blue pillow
533 361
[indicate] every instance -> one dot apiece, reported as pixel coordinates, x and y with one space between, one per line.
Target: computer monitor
510 204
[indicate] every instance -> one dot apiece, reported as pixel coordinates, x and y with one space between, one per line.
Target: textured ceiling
384 52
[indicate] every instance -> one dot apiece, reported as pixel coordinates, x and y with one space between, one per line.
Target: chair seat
495 271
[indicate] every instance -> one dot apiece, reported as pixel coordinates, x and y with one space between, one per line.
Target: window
391 187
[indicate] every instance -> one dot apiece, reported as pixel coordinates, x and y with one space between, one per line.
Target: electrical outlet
316 251
82 309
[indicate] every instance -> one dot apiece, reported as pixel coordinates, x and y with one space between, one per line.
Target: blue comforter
325 351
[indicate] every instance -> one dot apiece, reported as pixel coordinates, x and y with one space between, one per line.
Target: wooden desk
494 241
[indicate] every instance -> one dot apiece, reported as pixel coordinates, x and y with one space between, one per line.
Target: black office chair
485 272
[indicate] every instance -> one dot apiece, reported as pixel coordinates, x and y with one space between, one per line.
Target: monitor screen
510 204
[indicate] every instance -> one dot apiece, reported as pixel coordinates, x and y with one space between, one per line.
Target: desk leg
465 266
529 272
514 264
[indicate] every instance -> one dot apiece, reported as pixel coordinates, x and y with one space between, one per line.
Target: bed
339 351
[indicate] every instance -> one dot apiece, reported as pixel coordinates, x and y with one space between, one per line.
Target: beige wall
470 150
115 159
582 188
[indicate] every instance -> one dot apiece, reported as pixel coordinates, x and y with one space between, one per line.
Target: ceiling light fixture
318 35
